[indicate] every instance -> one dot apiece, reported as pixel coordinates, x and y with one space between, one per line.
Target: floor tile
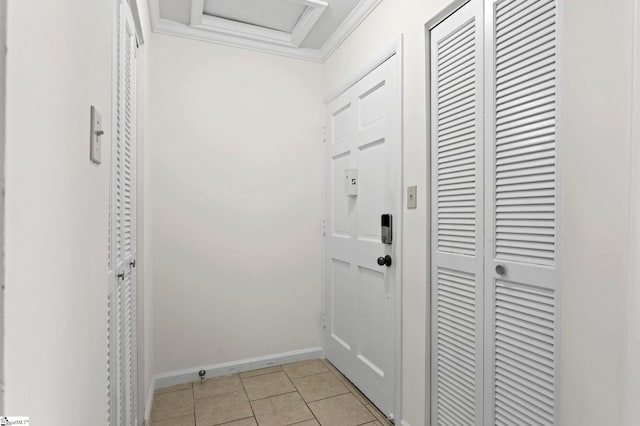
333 369
359 396
319 386
373 424
172 404
251 421
216 386
221 409
174 388
378 415
281 410
267 385
304 368
343 410
179 421
261 371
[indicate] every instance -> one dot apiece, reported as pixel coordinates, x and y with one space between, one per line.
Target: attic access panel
279 15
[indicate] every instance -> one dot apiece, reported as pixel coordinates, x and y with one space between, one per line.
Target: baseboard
147 407
224 369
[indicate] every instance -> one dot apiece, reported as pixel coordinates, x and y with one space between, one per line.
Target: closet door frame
122 293
450 9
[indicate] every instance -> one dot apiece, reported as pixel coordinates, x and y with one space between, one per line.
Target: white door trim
393 48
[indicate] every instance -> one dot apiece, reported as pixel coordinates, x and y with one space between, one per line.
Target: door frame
395 47
437 18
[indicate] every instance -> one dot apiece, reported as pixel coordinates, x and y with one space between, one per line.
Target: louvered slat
525 174
456 141
525 354
456 371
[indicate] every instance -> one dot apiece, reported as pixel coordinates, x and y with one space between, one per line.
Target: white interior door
122 242
457 226
364 135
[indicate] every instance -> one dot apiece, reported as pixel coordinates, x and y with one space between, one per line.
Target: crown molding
164 26
350 23
252 37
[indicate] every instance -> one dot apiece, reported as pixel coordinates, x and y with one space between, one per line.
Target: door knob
500 270
384 260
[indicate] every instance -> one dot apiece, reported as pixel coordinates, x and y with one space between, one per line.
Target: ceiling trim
350 23
252 37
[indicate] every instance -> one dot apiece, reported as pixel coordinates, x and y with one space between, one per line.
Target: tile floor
305 393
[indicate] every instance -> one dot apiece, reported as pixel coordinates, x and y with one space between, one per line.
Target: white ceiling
309 29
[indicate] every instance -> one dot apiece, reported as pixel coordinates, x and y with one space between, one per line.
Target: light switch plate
95 144
412 194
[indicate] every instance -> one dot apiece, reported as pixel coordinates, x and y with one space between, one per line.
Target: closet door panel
457 182
521 229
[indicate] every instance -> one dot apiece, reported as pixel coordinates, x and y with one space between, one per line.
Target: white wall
59 63
3 69
595 143
236 171
382 27
632 408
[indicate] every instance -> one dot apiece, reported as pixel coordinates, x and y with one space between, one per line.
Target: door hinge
323 229
324 134
323 320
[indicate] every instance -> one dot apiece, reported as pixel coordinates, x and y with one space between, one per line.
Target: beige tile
244 422
174 388
304 368
313 422
343 410
217 386
333 369
319 386
354 390
261 371
170 405
378 415
373 424
220 409
281 410
267 385
179 421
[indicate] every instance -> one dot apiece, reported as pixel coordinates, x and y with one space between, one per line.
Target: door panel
457 226
360 301
122 299
522 213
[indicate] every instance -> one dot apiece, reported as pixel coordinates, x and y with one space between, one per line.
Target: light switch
412 193
95 141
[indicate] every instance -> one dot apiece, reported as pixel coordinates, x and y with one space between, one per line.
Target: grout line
233 421
271 396
250 406
311 411
328 397
193 396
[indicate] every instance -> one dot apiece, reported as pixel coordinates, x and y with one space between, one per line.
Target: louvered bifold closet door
521 201
122 302
457 176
